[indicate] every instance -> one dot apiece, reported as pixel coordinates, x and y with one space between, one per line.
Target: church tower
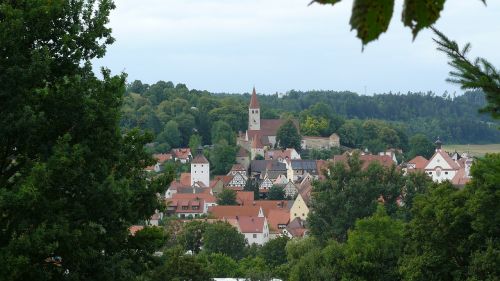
254 112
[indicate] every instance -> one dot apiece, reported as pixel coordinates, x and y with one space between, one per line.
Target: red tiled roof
277 217
185 179
178 205
268 205
384 160
233 211
279 153
238 167
207 197
244 197
420 162
225 179
250 224
459 178
200 159
134 229
181 153
254 102
162 157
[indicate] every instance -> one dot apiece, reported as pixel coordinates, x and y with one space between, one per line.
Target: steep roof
233 211
254 102
259 166
135 228
446 158
296 227
279 153
199 159
238 167
249 224
304 165
276 217
268 205
185 179
162 157
181 153
384 160
419 162
244 197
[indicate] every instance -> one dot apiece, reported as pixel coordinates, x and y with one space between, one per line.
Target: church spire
254 103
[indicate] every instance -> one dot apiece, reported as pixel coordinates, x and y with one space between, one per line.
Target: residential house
282 154
233 211
255 229
160 158
417 164
296 228
190 205
238 169
278 219
182 155
299 208
296 169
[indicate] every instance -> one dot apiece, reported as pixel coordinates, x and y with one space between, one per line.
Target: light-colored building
200 169
299 209
311 142
255 229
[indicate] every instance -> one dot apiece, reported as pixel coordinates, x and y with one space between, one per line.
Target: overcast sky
279 45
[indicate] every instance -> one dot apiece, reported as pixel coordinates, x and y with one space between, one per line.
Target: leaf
418 14
331 2
371 18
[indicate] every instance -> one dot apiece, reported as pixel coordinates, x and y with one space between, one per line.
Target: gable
441 159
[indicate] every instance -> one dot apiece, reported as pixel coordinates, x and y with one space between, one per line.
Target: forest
174 113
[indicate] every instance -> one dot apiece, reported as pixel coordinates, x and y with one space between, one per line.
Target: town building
200 169
312 142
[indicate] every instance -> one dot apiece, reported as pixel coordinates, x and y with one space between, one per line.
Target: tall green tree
223 238
222 158
70 182
170 134
191 236
222 131
420 145
227 197
465 246
288 136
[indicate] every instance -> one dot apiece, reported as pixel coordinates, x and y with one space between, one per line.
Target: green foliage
222 157
477 74
220 265
194 142
221 131
170 134
222 238
276 193
177 267
372 18
350 193
420 146
314 126
288 136
465 246
190 238
71 183
252 185
227 197
274 251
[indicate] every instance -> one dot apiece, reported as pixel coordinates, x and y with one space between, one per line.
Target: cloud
278 45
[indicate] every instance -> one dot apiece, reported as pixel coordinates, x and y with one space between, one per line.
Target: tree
350 193
274 251
170 134
223 238
222 131
288 136
477 74
420 145
276 193
191 236
194 142
227 197
71 183
314 126
222 158
373 248
178 266
465 246
252 185
220 265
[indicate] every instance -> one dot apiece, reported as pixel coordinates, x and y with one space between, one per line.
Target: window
255 236
196 207
445 173
184 207
194 165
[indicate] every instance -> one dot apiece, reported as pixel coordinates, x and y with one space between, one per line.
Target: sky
279 45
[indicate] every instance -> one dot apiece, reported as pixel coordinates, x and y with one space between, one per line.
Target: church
261 133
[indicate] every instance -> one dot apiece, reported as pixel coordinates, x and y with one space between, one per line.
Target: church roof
254 103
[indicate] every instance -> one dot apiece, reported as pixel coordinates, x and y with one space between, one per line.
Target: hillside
455 120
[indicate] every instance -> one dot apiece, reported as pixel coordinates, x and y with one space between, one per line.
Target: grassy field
474 149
